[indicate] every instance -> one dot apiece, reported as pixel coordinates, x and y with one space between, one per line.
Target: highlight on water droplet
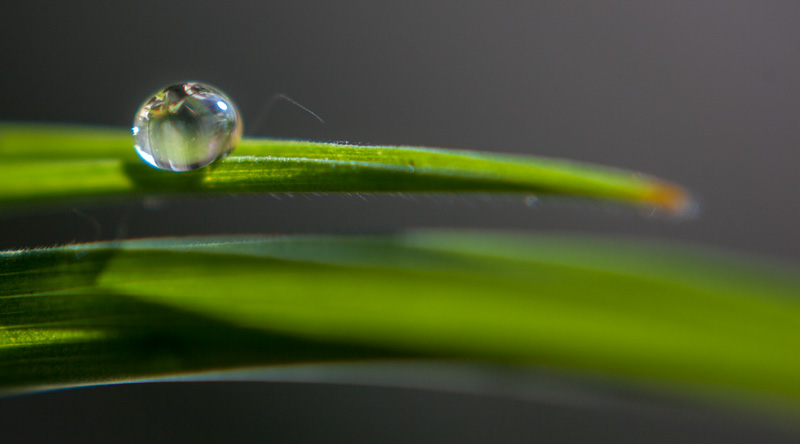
186 126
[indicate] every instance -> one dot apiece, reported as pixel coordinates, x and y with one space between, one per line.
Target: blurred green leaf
118 311
51 162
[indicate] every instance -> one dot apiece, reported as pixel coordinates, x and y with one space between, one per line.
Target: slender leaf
50 162
118 311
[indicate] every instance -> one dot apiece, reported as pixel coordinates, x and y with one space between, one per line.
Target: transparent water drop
186 126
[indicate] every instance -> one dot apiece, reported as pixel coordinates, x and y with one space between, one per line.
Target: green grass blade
50 162
110 312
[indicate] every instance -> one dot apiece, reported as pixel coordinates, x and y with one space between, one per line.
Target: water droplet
185 127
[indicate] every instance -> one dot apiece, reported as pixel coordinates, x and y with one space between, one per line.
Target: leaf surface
50 162
109 312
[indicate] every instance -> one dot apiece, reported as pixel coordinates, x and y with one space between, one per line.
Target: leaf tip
673 198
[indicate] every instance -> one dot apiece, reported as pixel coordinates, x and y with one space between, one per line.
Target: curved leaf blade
109 312
50 162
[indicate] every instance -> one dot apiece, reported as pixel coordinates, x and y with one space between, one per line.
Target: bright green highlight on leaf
115 311
58 162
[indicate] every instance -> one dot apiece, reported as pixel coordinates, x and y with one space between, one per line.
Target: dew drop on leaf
186 126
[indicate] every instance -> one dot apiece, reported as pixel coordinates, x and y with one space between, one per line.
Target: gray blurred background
702 93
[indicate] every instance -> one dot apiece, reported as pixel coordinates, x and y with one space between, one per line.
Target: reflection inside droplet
186 126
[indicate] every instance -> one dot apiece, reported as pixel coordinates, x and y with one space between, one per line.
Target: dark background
702 93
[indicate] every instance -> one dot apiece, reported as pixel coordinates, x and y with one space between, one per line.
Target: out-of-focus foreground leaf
51 162
117 311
